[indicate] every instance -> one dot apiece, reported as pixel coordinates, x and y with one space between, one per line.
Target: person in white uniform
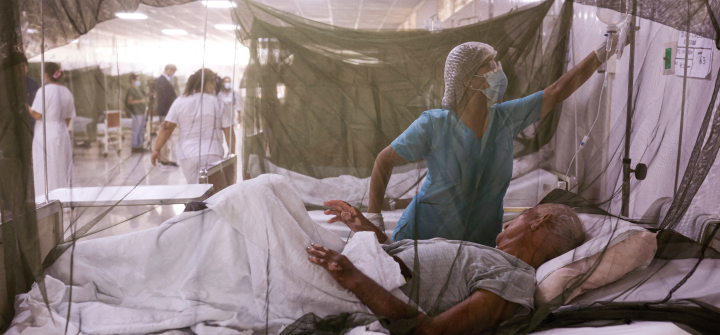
58 113
231 98
203 120
235 102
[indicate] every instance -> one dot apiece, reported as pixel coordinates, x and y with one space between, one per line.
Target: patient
242 264
486 285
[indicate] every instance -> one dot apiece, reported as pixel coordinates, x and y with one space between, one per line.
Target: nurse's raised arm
569 82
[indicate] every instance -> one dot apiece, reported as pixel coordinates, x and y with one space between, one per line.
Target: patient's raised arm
351 216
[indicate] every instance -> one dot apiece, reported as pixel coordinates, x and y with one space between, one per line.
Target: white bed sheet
635 328
235 266
524 191
659 278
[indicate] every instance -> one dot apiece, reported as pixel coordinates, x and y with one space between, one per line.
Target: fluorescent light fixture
219 4
174 32
131 16
226 26
31 31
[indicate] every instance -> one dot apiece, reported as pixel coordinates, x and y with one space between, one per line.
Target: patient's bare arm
479 311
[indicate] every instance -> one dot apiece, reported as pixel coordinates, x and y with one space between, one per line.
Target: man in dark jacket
32 87
165 97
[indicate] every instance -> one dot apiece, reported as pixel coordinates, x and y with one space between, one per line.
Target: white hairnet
462 60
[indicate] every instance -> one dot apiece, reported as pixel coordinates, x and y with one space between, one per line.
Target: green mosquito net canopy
320 103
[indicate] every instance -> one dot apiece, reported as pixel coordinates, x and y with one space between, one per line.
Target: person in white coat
203 120
58 113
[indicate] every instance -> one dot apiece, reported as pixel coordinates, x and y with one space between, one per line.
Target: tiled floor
92 169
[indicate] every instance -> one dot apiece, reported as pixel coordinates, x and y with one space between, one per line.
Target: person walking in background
32 87
58 112
136 103
203 119
165 97
231 98
234 102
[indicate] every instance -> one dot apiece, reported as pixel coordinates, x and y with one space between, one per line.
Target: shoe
172 163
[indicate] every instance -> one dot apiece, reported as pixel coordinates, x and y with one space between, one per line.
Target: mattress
640 327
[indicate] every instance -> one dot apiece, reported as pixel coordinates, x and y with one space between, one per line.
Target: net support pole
625 209
43 83
682 106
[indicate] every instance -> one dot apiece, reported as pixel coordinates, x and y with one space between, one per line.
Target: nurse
468 147
58 111
204 120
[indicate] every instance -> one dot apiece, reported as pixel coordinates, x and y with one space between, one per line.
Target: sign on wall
699 58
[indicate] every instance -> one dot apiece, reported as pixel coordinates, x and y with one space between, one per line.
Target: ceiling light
174 32
131 16
31 31
219 4
226 26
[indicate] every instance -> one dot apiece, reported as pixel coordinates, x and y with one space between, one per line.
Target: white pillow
601 232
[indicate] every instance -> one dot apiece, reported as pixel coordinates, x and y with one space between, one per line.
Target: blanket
238 267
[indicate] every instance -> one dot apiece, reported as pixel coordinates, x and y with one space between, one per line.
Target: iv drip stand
624 211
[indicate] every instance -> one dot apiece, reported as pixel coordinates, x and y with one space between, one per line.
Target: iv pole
641 169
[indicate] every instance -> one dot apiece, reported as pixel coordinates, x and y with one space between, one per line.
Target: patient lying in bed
486 285
244 264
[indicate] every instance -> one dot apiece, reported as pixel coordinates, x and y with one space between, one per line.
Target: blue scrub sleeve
523 112
415 141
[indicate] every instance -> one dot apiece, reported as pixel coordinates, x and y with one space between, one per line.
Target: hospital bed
111 131
222 173
127 195
81 130
660 275
50 214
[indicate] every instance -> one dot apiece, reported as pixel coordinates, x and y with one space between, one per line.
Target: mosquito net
493 177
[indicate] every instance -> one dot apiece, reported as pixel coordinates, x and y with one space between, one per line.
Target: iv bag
622 38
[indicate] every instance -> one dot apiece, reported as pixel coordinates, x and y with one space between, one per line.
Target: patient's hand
339 266
349 215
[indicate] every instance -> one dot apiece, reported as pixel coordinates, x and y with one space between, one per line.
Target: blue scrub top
462 197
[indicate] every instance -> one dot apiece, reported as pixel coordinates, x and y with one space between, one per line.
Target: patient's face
517 227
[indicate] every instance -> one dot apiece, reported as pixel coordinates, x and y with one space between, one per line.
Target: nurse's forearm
166 130
382 170
569 83
35 115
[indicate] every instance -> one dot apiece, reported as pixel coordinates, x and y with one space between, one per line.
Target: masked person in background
468 147
136 103
203 119
231 98
58 112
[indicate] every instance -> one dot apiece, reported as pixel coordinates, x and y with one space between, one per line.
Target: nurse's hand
155 156
352 218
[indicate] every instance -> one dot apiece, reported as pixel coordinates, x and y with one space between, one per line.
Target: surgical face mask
227 86
498 84
137 83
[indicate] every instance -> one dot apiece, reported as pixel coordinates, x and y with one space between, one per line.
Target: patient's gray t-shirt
449 271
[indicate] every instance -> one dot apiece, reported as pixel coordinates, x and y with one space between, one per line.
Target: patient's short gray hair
566 229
